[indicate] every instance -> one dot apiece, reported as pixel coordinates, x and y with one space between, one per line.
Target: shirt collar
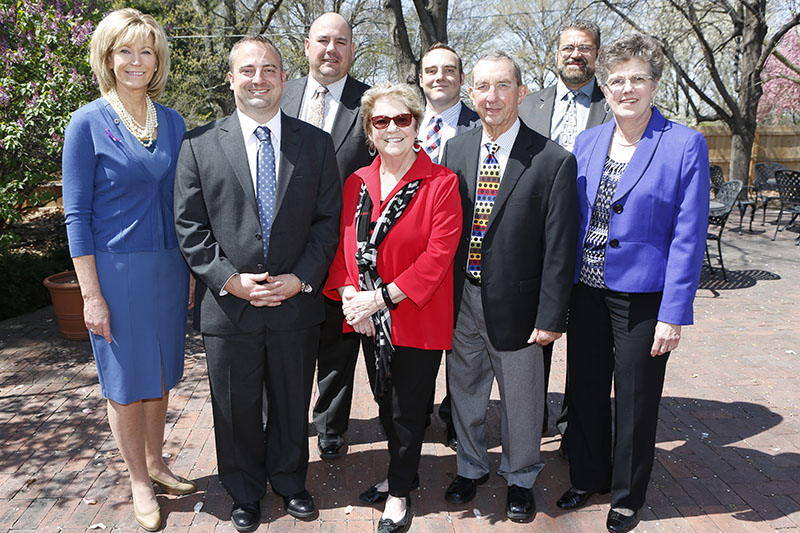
562 90
335 89
249 126
449 115
506 140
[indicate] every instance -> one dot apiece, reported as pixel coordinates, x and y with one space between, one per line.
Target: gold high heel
150 521
183 485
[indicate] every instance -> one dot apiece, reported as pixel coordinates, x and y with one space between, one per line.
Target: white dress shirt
505 142
333 99
583 101
251 141
449 124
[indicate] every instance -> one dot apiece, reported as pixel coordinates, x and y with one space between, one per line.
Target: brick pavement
727 458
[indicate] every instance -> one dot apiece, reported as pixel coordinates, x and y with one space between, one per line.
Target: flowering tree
781 77
44 77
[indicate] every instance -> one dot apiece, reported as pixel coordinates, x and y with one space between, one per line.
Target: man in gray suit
441 77
257 222
329 98
547 112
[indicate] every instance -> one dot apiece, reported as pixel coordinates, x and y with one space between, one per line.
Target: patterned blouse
594 247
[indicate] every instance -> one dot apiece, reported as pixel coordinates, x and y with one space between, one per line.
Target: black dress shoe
573 499
462 489
519 503
299 505
246 516
372 495
330 445
389 526
619 523
452 438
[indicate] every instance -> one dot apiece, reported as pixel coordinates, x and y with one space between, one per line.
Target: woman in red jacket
401 221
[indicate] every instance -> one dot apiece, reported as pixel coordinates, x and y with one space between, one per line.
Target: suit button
463 268
614 243
258 236
618 208
260 266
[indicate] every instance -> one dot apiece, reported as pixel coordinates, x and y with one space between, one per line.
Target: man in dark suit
546 112
441 77
257 220
330 99
513 275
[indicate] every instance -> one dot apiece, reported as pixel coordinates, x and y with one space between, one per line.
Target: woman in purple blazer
643 192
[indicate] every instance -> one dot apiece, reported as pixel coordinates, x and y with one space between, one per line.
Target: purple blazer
659 214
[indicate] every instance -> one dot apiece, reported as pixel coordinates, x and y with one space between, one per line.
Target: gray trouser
472 367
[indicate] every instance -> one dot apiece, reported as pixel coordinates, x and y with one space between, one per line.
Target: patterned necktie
434 139
316 109
265 184
569 127
488 184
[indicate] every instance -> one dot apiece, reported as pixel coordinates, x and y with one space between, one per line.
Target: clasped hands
359 306
263 290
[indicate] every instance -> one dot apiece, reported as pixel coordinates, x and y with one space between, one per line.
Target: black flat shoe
372 495
619 523
300 505
246 516
331 445
386 525
519 503
572 499
463 489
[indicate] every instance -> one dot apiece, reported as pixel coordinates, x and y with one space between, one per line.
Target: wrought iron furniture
727 195
789 196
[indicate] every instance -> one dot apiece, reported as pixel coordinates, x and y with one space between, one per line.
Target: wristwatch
305 287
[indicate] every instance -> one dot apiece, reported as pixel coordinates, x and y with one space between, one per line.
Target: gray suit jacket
219 232
348 136
536 111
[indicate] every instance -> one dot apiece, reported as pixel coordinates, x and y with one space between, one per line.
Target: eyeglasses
567 49
637 82
381 122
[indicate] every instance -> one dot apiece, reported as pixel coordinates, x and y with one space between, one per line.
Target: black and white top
594 247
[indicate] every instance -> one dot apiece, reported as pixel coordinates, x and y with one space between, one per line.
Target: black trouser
403 407
238 368
336 366
610 335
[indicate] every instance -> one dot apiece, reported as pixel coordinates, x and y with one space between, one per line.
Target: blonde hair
124 27
402 92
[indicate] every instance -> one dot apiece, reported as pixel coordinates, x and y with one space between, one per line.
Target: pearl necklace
144 134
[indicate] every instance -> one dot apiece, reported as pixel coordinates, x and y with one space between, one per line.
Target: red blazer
417 253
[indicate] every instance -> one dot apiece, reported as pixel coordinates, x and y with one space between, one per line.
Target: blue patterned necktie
265 184
434 140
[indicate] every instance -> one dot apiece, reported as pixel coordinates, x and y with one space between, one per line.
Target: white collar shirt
251 141
583 101
333 100
449 124
504 142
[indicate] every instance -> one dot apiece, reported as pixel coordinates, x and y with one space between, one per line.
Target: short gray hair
499 55
584 25
627 47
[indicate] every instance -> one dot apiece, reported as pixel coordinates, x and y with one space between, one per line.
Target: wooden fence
774 144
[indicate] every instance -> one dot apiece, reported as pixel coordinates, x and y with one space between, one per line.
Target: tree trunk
433 28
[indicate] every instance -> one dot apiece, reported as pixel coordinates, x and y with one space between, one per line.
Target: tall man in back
257 221
560 112
329 98
441 77
513 276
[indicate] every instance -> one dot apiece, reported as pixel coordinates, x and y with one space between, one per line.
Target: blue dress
118 207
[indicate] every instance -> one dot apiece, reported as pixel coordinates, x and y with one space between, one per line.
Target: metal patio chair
789 191
727 195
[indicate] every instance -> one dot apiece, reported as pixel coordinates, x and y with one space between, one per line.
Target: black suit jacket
349 139
528 254
536 111
467 120
219 231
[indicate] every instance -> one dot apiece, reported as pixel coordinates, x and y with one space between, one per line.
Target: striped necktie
488 185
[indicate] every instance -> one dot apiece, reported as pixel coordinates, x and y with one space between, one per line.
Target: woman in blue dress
119 162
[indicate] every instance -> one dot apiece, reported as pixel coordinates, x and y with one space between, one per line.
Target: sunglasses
381 122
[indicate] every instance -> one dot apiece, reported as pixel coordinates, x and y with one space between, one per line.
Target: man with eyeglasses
563 110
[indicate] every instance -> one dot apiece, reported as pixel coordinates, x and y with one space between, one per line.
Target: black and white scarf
368 240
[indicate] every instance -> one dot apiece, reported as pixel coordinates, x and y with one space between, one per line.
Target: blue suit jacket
659 213
112 202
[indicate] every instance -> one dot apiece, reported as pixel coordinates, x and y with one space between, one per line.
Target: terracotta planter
68 305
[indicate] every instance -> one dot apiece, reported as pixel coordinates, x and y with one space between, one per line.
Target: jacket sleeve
78 168
690 227
560 240
421 280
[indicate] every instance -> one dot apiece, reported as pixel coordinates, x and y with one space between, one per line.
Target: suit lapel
232 142
642 156
544 115
597 110
346 116
292 99
519 160
471 164
290 148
